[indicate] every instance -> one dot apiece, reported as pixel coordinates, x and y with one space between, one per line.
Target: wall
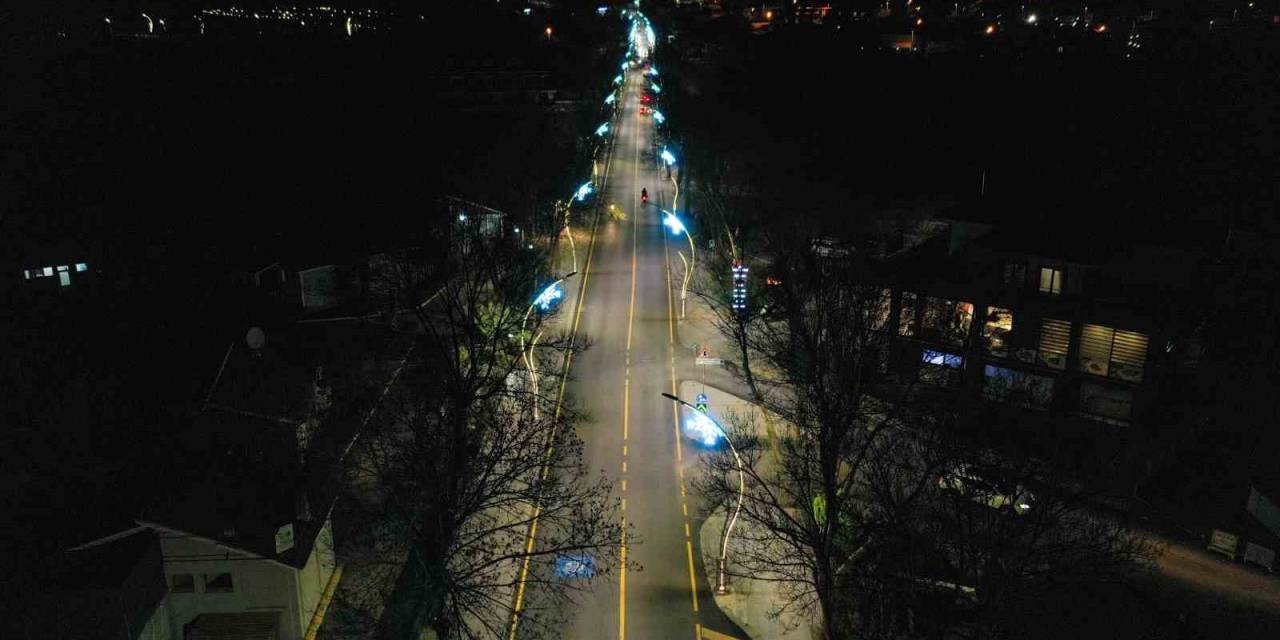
257 584
315 576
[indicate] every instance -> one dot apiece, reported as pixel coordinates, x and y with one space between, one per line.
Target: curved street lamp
676 226
722 586
545 300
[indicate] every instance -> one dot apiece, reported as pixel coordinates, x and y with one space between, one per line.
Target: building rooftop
107 588
262 455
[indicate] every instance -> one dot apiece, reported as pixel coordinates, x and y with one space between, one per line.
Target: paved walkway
749 602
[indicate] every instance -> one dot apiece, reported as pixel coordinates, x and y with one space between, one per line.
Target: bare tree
450 479
807 513
848 507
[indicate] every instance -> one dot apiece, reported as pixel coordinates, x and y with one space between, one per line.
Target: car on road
646 98
987 487
644 111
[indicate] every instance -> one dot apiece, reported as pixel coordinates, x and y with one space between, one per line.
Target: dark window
183 583
1106 404
218 583
1016 387
1015 274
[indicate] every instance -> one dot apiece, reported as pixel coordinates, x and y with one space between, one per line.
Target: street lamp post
677 226
549 294
722 585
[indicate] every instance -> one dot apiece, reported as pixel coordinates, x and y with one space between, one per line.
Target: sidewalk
749 602
698 331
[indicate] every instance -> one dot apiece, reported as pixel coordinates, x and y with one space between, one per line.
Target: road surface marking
622 586
624 465
707 634
564 379
675 425
693 583
626 397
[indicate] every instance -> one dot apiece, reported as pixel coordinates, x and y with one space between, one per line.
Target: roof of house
108 588
246 476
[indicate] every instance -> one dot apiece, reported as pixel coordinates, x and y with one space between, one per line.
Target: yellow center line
675 425
693 583
626 386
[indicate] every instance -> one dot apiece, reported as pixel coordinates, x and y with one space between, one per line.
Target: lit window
81 267
1055 339
218 583
26 273
940 368
947 320
1106 404
48 271
1017 387
942 359
183 583
1112 352
879 308
64 278
1050 281
62 268
907 315
996 330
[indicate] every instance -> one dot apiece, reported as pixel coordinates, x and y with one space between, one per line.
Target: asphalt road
628 315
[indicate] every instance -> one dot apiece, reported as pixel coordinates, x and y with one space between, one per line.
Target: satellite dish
256 338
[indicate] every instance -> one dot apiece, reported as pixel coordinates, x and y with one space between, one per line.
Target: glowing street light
544 301
617 79
655 87
658 117
602 129
583 191
611 97
674 223
677 227
700 420
667 157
